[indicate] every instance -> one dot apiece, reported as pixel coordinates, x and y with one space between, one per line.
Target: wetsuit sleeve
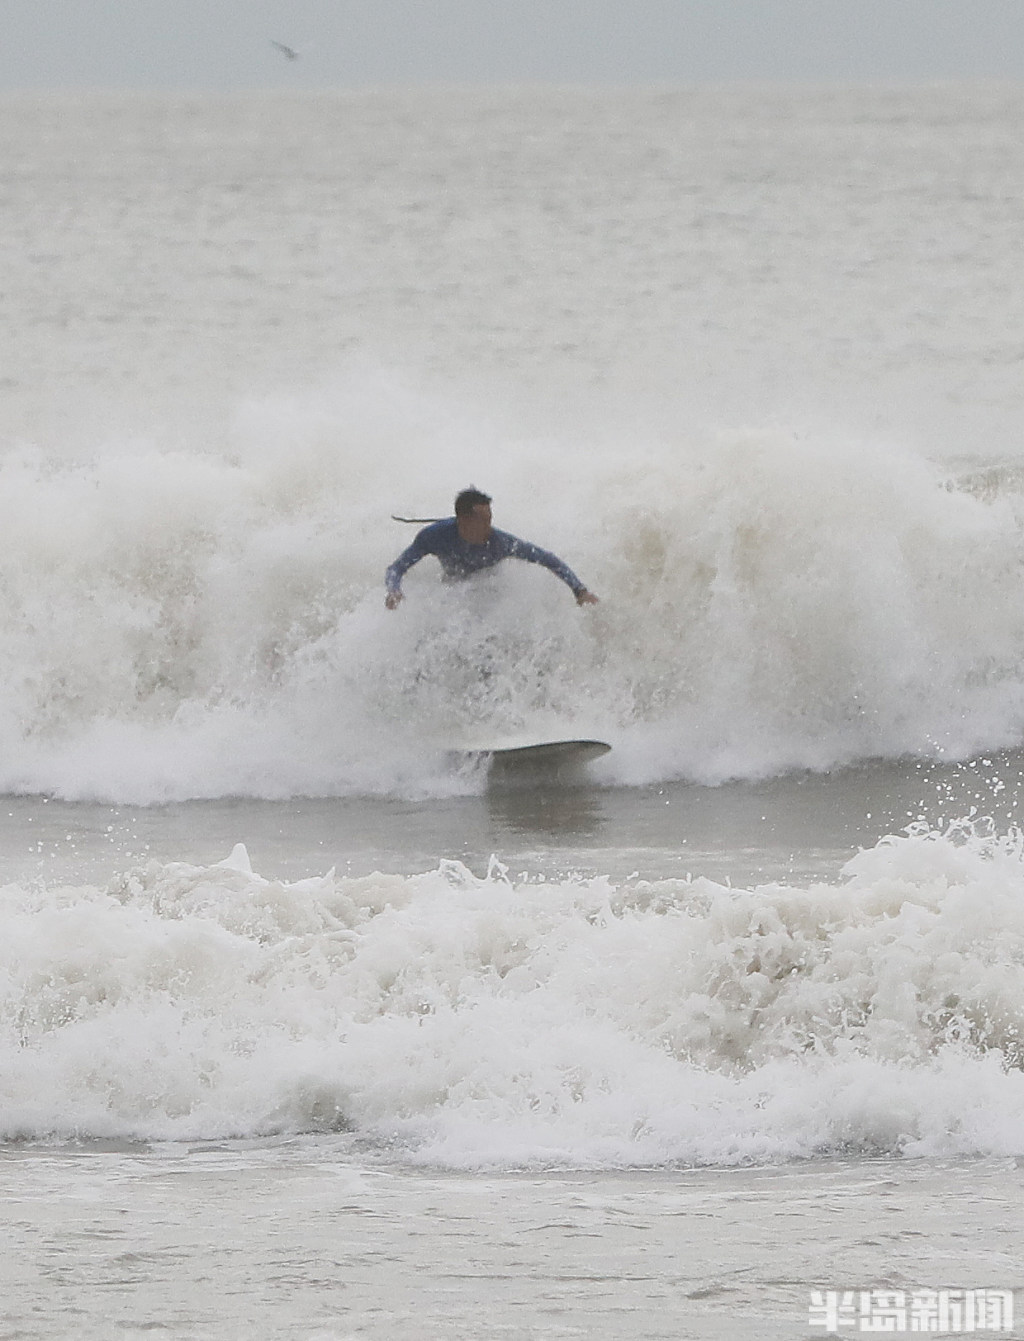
522 549
419 549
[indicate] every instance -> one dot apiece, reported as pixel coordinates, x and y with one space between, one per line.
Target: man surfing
467 543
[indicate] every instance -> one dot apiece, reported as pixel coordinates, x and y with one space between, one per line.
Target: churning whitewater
467 1021
181 624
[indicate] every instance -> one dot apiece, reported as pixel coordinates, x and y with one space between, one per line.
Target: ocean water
310 1029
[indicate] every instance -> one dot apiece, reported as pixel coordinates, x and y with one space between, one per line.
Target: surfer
467 543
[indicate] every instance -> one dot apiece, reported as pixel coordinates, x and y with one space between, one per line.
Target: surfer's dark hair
468 500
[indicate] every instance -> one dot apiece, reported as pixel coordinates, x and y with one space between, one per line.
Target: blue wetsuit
459 559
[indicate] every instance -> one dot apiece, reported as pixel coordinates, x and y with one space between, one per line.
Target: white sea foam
470 1020
203 623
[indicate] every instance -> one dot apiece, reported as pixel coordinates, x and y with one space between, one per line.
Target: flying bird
289 52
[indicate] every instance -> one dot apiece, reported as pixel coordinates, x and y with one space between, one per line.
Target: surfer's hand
585 597
393 599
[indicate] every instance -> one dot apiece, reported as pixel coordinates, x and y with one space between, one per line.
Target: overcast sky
226 44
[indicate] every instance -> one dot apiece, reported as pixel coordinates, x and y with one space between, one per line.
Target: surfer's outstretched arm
424 544
393 576
523 549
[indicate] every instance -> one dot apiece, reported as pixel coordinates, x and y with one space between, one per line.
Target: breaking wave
207 620
468 1020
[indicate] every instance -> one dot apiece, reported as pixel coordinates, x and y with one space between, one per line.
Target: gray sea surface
306 1033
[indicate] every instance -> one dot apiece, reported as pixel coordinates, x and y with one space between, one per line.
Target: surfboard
538 756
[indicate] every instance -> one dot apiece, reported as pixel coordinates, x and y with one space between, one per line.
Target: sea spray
193 624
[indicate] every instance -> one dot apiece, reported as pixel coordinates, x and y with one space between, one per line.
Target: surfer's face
475 527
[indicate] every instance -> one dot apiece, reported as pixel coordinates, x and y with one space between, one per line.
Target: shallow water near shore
299 1240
